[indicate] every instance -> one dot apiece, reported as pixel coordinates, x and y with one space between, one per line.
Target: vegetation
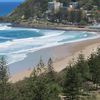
79 81
72 84
36 11
30 8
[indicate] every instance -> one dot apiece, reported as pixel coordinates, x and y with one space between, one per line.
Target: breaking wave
16 43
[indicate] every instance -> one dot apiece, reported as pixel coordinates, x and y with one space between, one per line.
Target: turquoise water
16 43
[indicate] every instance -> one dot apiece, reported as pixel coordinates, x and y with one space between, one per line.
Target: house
54 6
74 5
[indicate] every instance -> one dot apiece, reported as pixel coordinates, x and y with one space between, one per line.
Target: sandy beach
62 55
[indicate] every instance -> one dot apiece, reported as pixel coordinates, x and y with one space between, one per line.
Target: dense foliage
33 9
79 78
30 8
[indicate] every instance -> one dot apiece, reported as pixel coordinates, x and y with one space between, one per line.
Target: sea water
16 43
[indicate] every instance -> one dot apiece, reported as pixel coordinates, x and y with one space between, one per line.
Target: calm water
7 7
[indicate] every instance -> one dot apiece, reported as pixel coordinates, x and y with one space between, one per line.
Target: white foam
52 32
16 57
17 49
24 46
90 32
5 26
23 29
95 26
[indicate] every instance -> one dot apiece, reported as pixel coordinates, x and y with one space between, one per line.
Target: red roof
98 11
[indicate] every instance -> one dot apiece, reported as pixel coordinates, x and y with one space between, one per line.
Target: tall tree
51 73
50 65
3 79
83 67
94 64
72 84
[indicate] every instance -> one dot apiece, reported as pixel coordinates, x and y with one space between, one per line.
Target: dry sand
64 55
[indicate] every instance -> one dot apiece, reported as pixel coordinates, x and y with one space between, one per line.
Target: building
54 6
74 5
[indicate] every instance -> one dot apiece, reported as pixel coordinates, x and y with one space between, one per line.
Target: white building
74 5
54 6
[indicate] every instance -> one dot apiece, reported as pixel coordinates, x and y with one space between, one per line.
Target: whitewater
16 43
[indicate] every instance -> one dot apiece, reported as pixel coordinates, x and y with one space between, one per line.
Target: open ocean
7 7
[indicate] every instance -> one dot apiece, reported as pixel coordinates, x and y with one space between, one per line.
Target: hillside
30 8
38 8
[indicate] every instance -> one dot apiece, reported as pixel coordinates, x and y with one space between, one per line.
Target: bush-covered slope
30 8
33 8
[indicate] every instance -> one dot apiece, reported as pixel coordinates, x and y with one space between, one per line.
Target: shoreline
57 27
62 55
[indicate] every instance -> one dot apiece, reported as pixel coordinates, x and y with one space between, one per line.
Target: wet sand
62 55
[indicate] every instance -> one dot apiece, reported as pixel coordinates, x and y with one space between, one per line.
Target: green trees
36 9
94 64
44 85
37 89
81 73
75 78
72 84
42 89
83 67
30 8
38 86
3 79
50 65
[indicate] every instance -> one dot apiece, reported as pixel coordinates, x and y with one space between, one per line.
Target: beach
49 49
62 55
57 26
24 46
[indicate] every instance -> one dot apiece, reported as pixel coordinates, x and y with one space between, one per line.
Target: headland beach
49 49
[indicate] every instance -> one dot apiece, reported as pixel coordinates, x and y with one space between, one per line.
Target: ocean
16 43
7 7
